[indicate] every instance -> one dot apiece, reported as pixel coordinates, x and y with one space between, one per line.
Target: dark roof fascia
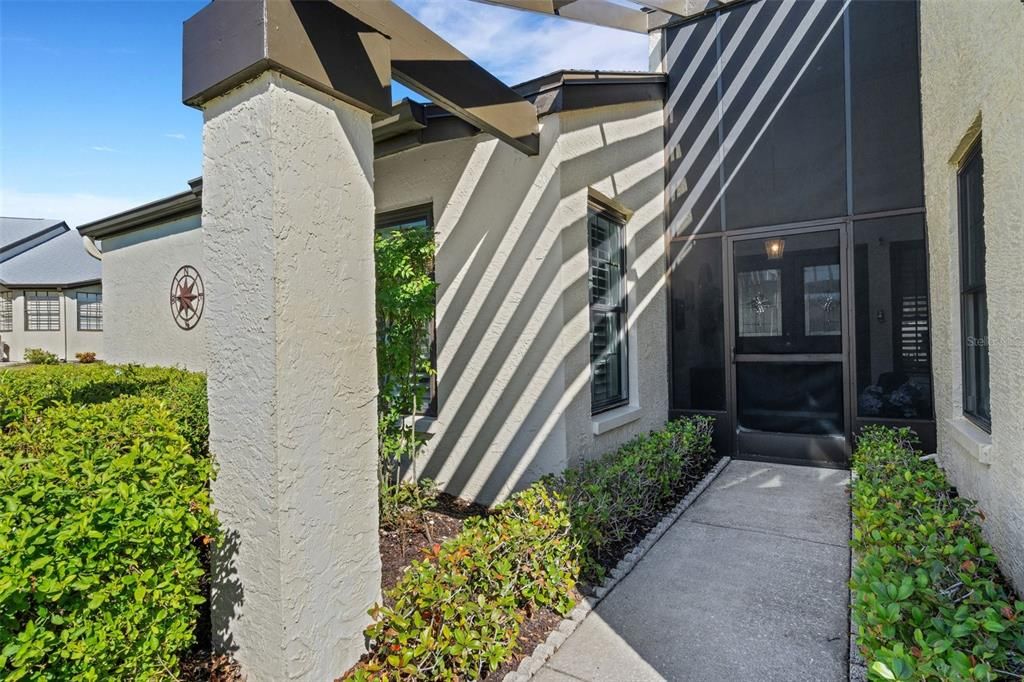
65 285
575 90
61 226
433 124
414 124
160 211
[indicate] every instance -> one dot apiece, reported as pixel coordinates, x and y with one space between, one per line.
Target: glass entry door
788 333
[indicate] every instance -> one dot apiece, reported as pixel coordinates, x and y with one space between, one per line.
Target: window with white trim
609 371
42 311
973 296
6 311
90 311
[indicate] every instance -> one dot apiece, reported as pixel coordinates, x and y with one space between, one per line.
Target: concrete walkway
749 584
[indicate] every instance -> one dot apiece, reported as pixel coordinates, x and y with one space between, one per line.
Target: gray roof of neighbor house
21 234
36 252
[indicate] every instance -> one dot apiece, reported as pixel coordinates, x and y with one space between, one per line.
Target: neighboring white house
50 293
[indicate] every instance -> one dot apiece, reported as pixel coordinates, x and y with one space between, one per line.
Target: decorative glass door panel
788 337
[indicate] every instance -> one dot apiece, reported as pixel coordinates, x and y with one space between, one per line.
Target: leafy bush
99 579
405 307
85 357
616 499
38 356
929 602
456 614
38 388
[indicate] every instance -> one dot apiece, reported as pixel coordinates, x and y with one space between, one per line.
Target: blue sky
91 119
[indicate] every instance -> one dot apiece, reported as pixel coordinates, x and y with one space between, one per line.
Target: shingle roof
59 261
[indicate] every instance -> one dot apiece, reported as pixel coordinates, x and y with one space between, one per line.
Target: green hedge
456 614
613 501
928 599
104 501
30 390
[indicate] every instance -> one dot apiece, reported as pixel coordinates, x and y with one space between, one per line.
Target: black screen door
788 334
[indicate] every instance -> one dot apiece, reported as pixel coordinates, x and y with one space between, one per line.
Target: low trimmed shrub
38 388
38 356
614 500
85 357
99 578
929 602
456 613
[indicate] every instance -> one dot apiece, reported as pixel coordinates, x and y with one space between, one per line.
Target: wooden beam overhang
227 43
654 15
425 62
667 13
597 12
349 49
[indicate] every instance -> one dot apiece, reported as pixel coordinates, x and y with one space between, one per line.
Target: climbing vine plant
405 310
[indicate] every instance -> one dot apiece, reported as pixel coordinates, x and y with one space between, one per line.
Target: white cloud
76 208
101 148
517 46
175 136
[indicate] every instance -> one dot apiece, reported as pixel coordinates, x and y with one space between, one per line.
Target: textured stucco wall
137 271
513 348
972 69
290 333
64 343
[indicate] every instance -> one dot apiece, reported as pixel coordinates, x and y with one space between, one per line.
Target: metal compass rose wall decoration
187 297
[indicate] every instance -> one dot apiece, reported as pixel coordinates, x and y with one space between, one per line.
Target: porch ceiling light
774 248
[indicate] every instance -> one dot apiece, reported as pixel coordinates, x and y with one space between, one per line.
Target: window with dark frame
6 311
42 311
417 218
90 311
973 298
609 373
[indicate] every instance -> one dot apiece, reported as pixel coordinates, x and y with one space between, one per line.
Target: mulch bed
417 532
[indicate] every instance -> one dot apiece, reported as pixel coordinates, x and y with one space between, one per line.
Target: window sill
613 419
425 426
971 439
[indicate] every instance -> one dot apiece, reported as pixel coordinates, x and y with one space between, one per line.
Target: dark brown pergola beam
598 12
227 43
680 8
425 62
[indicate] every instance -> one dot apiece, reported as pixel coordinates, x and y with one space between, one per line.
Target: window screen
698 325
789 81
90 312
42 311
609 379
417 218
6 311
892 319
885 106
973 296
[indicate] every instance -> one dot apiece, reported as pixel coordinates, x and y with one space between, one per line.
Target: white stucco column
290 329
